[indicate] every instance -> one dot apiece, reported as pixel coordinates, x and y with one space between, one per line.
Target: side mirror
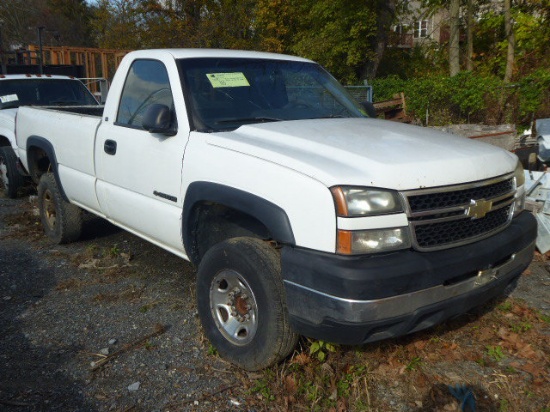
369 108
158 119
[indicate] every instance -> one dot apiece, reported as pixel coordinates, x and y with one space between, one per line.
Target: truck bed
71 130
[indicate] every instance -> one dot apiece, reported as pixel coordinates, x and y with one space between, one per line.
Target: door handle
110 147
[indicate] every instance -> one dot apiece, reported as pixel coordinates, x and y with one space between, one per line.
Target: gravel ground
109 323
109 298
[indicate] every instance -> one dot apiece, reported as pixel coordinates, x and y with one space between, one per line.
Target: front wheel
242 304
10 178
62 221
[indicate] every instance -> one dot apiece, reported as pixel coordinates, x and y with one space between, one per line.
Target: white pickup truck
32 90
303 215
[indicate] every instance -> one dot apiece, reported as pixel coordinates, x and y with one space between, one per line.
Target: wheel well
39 162
4 141
212 223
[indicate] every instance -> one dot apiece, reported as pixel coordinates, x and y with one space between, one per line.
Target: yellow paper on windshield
237 79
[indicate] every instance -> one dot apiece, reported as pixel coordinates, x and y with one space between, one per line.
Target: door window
146 84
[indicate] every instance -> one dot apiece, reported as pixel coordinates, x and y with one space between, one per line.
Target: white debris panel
537 185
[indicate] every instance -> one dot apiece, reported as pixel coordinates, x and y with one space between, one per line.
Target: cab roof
34 76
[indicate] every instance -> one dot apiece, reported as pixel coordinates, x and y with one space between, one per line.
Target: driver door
139 173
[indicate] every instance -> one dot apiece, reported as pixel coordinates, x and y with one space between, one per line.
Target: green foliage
470 98
320 349
413 364
337 34
212 351
505 306
114 251
534 93
522 327
495 352
262 386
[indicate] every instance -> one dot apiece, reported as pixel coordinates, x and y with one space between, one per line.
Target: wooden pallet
394 109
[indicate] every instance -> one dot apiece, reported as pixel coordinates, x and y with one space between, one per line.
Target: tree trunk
386 16
454 40
508 26
470 36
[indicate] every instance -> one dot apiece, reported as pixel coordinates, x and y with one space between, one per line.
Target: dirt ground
109 324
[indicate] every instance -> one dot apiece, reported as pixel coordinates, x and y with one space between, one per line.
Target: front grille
447 233
457 197
451 216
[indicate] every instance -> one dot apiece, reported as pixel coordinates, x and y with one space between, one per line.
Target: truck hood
368 152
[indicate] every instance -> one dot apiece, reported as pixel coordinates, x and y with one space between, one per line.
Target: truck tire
62 221
10 179
242 305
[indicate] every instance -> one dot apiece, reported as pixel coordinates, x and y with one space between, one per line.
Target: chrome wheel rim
234 307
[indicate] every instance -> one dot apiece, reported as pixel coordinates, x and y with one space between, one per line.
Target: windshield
44 92
224 94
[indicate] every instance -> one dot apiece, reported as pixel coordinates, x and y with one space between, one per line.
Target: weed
311 391
505 306
343 386
262 387
495 352
545 318
522 327
320 349
212 351
414 364
114 251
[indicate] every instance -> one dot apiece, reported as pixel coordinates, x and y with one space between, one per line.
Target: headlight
372 241
519 202
359 201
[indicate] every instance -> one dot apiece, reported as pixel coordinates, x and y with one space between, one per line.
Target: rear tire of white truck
10 179
62 221
242 305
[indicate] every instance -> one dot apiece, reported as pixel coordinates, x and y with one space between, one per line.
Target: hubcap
234 307
49 209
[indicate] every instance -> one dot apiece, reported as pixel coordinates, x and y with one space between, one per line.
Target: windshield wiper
258 119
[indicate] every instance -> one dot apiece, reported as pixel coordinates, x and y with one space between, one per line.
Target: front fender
269 214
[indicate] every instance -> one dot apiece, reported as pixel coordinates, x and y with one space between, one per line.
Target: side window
146 84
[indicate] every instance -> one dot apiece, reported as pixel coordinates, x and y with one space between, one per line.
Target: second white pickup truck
30 90
303 215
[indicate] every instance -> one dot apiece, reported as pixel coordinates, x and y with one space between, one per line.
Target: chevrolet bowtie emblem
479 208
